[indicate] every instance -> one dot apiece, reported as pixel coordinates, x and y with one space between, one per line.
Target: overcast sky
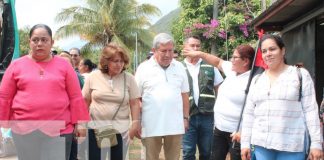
31 12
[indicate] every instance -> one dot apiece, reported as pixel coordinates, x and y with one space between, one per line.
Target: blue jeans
200 133
271 154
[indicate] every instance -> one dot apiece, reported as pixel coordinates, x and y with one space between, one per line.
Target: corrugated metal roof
282 12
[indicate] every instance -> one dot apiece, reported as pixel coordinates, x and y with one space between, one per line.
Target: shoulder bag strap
300 77
121 103
307 135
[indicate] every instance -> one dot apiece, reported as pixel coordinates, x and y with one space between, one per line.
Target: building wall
304 44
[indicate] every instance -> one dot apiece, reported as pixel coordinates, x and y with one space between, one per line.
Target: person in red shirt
41 101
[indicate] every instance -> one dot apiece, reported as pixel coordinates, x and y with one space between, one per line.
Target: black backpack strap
189 78
300 77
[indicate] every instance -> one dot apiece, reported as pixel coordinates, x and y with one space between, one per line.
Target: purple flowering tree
228 31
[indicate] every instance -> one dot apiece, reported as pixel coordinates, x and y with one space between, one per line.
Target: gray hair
76 49
162 38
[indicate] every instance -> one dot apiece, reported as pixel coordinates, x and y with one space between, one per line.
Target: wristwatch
186 118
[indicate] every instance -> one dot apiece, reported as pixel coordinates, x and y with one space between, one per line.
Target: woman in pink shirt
41 101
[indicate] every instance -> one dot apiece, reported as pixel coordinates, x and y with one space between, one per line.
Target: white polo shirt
162 107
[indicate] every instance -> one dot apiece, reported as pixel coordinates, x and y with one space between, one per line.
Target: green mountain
165 23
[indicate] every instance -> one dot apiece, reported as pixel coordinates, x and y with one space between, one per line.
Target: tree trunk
272 1
264 5
215 16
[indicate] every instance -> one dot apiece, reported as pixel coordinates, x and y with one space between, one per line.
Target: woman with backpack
281 107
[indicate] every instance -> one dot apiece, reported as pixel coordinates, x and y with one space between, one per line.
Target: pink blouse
41 95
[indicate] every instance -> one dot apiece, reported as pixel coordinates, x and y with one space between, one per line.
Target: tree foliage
24 40
229 30
104 21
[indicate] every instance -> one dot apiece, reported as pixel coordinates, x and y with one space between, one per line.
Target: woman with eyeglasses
112 96
230 97
41 101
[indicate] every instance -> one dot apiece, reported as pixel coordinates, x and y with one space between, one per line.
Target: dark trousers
78 151
200 133
222 144
74 149
39 146
96 153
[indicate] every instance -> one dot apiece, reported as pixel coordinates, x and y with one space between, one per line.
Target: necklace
41 71
111 82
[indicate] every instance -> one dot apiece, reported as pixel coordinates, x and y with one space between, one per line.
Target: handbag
7 146
106 136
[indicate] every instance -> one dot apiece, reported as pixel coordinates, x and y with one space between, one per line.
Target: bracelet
134 121
186 118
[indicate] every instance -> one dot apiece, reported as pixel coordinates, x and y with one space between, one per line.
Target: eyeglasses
117 61
234 58
37 40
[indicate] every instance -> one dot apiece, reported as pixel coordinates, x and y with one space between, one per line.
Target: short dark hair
47 28
278 40
89 63
191 36
54 52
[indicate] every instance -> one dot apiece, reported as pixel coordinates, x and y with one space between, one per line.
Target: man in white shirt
204 80
165 105
76 57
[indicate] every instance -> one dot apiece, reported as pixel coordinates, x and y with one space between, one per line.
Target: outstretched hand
190 52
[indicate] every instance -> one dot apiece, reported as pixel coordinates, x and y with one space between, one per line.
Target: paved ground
9 158
135 150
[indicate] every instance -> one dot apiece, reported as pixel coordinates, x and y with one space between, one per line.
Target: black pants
74 149
39 146
78 150
114 153
222 144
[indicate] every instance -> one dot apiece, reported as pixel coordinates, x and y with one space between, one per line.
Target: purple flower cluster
200 25
212 29
208 33
222 34
207 30
214 23
244 29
